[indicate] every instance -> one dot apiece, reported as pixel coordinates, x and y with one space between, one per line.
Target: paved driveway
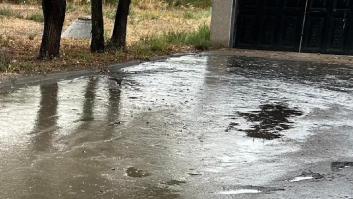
197 126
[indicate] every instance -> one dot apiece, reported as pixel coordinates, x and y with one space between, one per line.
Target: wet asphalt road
197 126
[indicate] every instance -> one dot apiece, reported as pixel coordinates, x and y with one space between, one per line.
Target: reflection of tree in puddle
47 117
89 99
269 121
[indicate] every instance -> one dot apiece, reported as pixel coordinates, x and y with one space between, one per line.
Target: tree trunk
54 16
118 39
97 42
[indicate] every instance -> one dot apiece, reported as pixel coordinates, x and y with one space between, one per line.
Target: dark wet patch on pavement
87 119
195 174
270 120
158 192
116 123
175 182
329 76
336 166
231 126
136 173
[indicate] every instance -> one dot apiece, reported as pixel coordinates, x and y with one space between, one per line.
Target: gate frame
224 14
223 28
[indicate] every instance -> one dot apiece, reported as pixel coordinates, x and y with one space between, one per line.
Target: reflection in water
269 121
47 117
173 117
136 173
82 132
336 166
44 130
89 99
328 76
113 111
114 101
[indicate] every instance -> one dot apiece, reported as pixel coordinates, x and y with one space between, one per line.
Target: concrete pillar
222 22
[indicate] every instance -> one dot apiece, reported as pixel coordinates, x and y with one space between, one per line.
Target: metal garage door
309 25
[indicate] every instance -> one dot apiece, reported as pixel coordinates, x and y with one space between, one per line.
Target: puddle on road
169 115
270 120
248 190
329 76
239 191
307 175
136 173
157 192
337 166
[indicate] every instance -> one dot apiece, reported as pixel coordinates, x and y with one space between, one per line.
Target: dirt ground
20 38
20 35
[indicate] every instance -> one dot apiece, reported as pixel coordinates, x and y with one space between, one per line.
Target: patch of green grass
176 38
163 44
7 12
83 56
200 39
4 61
37 17
189 15
158 45
197 15
149 46
194 3
27 2
110 14
86 9
111 2
149 16
70 7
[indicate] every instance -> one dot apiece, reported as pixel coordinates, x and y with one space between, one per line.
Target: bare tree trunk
118 39
54 16
97 42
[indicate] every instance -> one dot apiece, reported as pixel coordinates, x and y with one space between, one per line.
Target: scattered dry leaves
20 38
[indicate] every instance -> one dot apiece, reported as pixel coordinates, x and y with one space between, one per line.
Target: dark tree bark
118 39
54 16
97 42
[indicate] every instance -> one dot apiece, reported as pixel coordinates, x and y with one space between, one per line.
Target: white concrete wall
222 22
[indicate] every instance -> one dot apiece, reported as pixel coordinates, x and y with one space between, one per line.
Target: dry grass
20 37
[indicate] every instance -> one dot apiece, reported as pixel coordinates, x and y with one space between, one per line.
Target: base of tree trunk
54 16
118 39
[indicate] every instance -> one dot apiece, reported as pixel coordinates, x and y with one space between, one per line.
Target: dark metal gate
279 24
